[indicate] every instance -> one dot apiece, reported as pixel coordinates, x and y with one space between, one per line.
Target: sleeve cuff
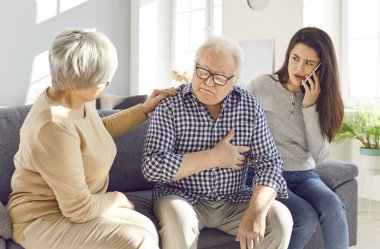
138 113
125 120
310 109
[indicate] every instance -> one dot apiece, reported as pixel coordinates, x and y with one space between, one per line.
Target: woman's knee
333 208
137 236
332 203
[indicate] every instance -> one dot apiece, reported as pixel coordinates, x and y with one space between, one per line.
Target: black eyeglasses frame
211 74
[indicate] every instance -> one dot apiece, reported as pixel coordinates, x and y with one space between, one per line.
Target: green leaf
363 125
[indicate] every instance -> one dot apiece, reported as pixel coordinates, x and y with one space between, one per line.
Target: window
148 20
362 42
354 28
194 21
165 35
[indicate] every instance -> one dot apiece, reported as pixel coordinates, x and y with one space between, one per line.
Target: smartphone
316 69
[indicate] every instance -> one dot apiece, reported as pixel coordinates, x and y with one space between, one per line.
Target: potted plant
363 125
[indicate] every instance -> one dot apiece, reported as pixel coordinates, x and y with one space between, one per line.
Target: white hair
81 58
223 44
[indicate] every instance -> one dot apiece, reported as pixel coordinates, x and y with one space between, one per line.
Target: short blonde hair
81 58
223 44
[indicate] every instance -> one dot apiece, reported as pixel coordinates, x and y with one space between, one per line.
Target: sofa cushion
13 245
11 120
110 101
126 172
143 203
131 101
334 173
5 223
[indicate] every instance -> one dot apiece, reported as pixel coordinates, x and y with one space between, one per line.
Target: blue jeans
311 201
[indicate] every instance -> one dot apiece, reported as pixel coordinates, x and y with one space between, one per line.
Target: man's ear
237 79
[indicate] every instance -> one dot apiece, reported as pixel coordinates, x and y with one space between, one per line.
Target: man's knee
178 222
175 210
281 224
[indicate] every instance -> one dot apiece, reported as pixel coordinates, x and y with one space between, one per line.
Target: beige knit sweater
63 163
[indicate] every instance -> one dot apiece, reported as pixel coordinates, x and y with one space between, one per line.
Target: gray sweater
295 129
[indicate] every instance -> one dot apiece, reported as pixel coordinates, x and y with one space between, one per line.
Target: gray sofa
126 176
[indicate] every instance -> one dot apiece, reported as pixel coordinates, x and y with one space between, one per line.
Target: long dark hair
329 103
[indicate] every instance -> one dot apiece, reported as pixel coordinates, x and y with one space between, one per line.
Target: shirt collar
187 90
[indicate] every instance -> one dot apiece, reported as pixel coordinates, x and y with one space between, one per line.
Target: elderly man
199 146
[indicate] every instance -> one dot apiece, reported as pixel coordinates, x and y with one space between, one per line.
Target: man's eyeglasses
204 74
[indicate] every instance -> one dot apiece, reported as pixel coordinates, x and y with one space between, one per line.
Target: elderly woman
59 197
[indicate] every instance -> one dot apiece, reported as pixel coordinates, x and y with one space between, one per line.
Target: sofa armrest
334 173
5 223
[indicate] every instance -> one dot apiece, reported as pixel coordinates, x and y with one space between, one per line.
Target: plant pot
370 159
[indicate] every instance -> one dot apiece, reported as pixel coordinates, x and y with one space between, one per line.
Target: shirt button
292 111
292 103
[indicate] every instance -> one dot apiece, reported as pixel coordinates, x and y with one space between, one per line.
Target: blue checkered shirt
181 124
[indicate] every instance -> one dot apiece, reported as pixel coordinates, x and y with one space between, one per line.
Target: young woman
59 197
304 112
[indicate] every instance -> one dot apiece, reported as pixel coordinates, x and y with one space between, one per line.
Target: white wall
28 27
279 20
27 33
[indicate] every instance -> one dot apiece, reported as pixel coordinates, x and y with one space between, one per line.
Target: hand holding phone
316 69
